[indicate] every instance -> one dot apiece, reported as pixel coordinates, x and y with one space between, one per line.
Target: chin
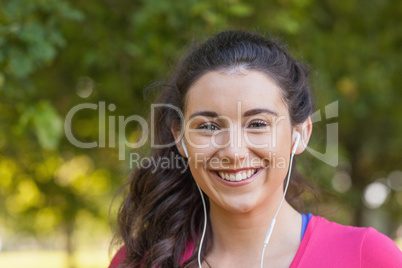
234 206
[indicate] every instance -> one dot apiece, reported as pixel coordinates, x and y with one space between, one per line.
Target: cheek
201 175
276 155
208 142
200 159
259 140
273 160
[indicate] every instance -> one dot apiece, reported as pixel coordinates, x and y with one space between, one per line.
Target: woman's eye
258 124
208 127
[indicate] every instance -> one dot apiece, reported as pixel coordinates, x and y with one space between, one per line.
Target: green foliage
30 36
29 40
47 124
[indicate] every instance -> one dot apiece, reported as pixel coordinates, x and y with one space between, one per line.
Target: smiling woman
235 95
246 104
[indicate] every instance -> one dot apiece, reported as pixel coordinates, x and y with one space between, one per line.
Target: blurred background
56 55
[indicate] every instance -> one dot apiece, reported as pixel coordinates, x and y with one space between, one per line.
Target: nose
232 144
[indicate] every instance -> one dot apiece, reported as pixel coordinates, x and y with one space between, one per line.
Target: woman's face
239 139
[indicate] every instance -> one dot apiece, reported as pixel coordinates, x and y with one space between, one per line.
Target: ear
305 130
178 136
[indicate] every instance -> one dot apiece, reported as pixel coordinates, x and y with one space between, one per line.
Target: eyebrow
204 113
247 113
259 111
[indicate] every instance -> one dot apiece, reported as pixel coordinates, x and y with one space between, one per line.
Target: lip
235 183
235 170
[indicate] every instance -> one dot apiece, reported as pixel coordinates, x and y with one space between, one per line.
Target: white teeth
237 176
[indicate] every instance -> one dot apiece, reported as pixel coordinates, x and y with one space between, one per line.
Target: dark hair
162 211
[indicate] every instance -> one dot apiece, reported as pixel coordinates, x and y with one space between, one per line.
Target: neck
239 237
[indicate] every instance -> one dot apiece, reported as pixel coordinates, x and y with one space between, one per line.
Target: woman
246 107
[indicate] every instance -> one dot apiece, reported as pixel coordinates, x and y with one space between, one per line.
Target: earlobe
305 129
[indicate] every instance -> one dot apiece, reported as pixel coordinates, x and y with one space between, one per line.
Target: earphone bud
184 147
298 137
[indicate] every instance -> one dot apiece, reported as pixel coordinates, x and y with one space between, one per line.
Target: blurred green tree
55 55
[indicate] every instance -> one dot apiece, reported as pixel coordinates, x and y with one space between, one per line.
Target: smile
237 175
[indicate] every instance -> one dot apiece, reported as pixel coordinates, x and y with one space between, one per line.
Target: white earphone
205 210
184 147
271 226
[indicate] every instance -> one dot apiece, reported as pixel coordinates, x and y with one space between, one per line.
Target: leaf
42 51
19 65
48 125
240 9
70 13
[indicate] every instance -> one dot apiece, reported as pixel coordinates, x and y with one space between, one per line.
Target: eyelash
207 126
263 124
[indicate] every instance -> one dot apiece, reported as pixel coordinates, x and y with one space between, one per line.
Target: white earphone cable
271 226
205 226
205 212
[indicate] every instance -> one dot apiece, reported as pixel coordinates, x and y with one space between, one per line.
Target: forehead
221 91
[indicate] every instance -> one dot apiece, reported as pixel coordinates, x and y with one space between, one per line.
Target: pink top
328 244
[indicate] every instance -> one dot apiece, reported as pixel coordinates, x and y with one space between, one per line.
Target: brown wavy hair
162 210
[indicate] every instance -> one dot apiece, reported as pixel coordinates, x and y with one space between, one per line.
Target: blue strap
305 221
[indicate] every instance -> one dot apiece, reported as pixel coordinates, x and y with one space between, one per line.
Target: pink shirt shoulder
329 244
